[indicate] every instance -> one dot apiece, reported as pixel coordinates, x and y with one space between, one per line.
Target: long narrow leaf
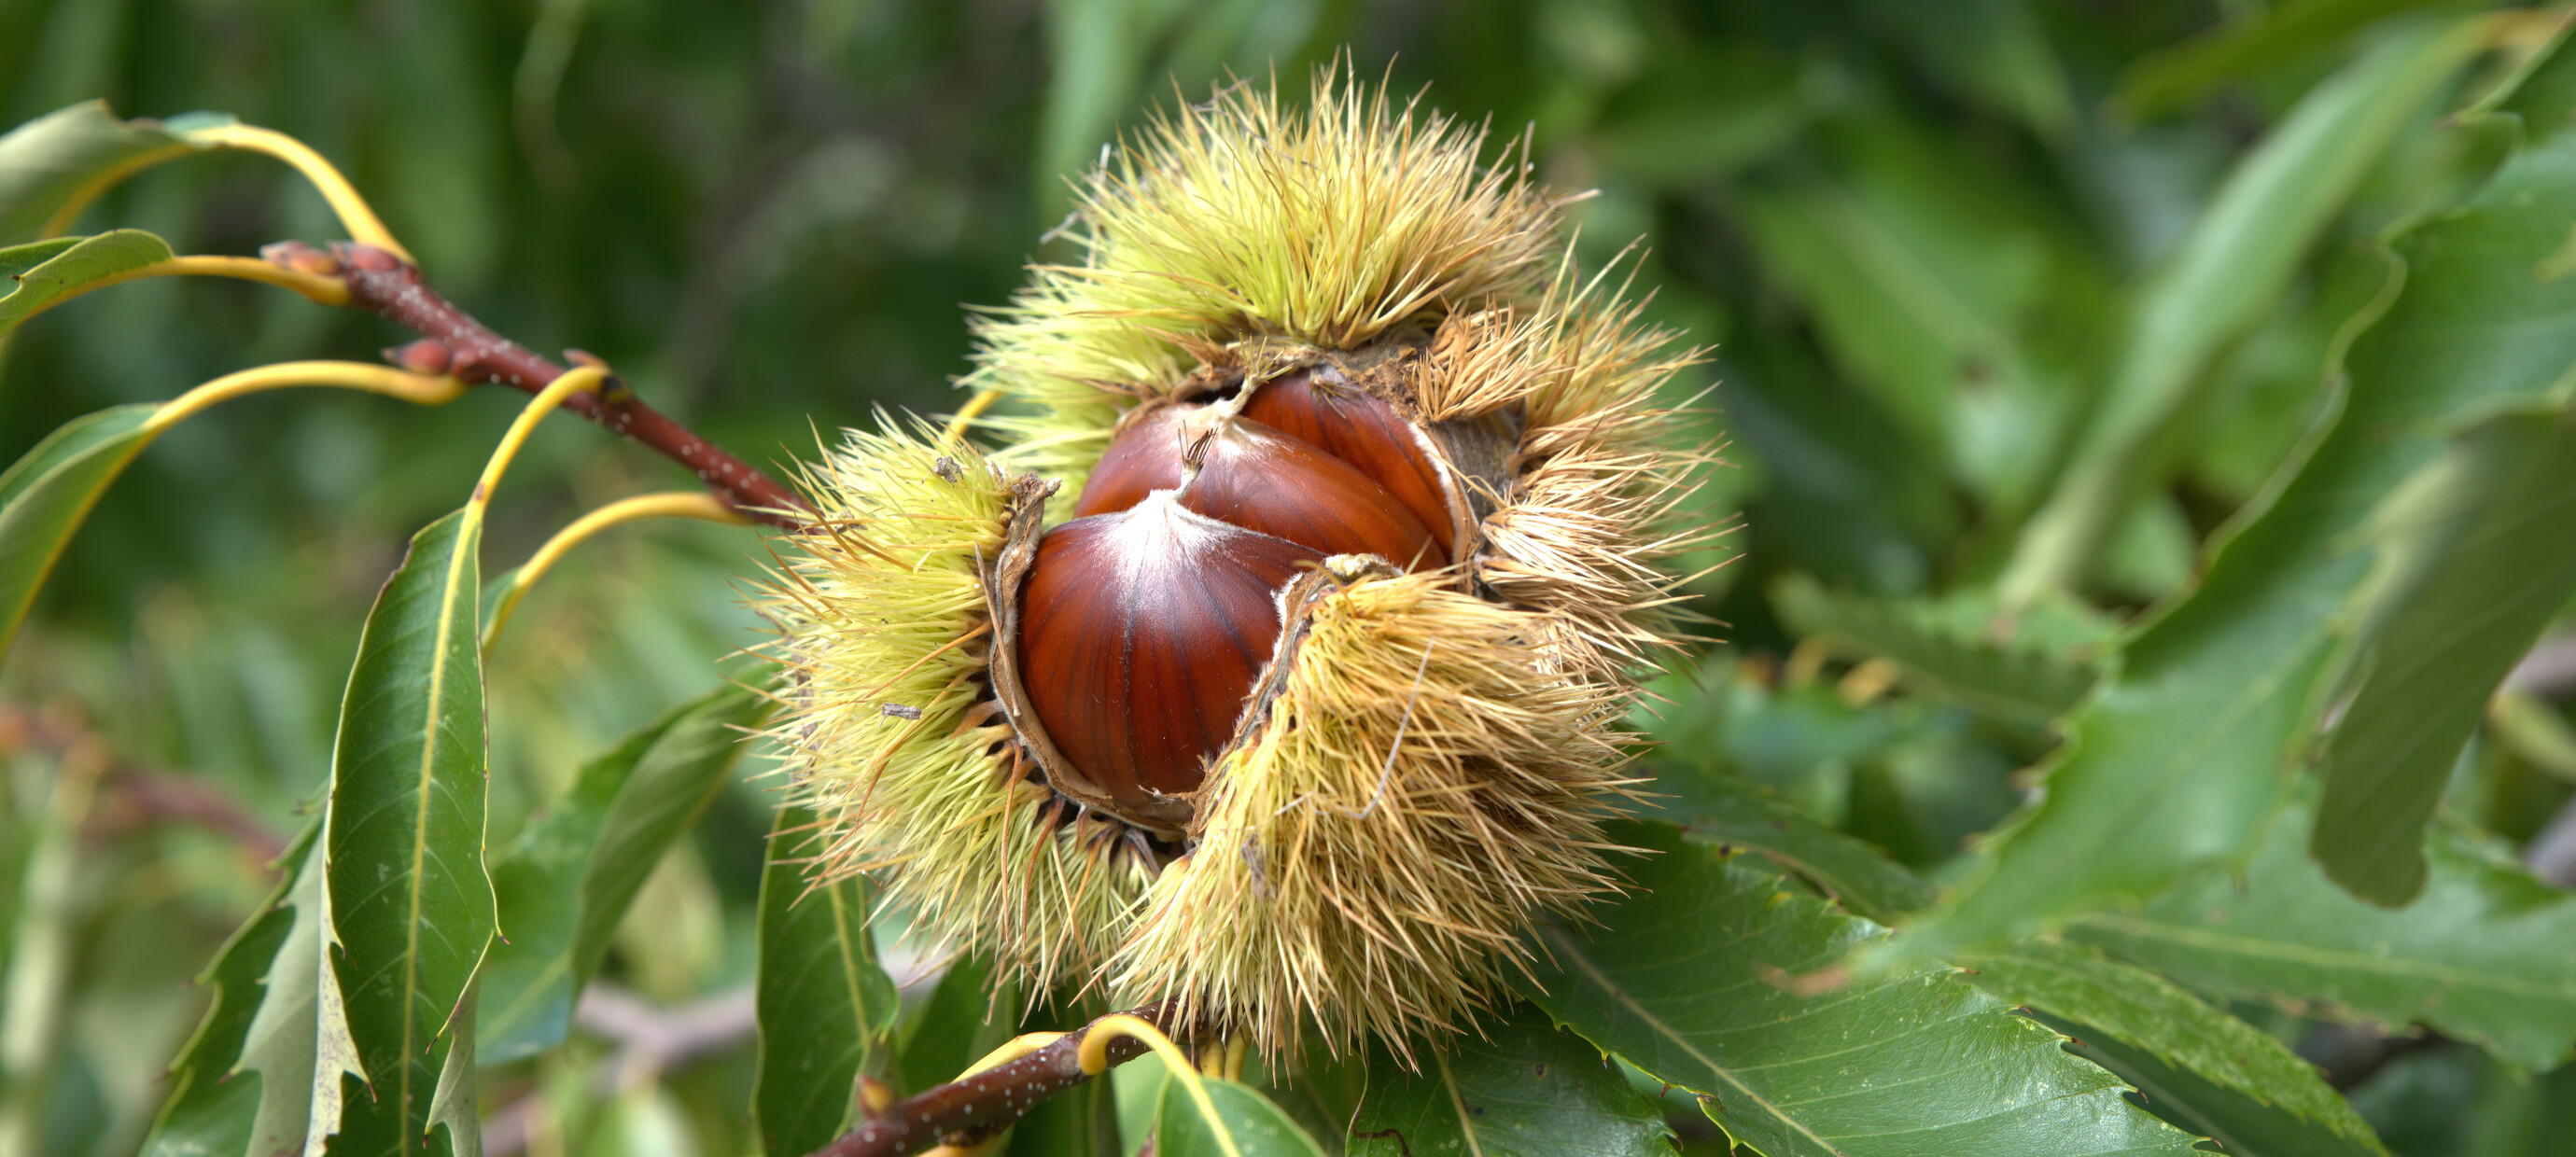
214 1103
1523 1089
1698 980
92 259
2144 1010
824 1003
2481 955
570 876
2176 764
411 908
2474 556
45 496
46 161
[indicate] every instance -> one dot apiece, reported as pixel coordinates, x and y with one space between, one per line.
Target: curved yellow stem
355 214
967 414
669 504
423 389
1094 1059
573 381
325 290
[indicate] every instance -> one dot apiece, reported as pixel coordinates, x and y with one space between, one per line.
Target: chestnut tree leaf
1712 977
2230 271
217 1084
411 909
2154 1016
1524 1089
2240 1125
2474 555
1257 1127
50 160
2483 954
824 1004
64 270
569 877
45 495
2174 765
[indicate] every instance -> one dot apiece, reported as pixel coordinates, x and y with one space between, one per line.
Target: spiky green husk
883 609
1329 892
1365 864
1240 218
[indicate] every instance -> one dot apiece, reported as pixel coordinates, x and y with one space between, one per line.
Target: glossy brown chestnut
1259 479
1141 636
1365 432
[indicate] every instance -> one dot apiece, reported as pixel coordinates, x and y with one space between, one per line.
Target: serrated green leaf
2484 954
570 876
284 1040
1731 812
2238 1125
2474 555
1522 1090
411 908
2174 766
2151 1014
45 496
48 160
1691 979
1257 1127
1969 667
93 259
2229 273
213 1105
824 1004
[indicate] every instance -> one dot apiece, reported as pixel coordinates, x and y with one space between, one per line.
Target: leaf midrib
1619 993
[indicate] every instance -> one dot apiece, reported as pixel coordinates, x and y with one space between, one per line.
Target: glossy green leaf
2149 1013
2229 273
1257 1127
2239 1125
411 907
45 161
1695 979
2486 954
825 1005
1956 661
1734 813
570 876
92 259
45 495
215 1094
1524 1089
2474 555
959 1024
2175 765
17 259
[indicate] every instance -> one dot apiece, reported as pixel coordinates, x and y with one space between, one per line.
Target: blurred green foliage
1912 234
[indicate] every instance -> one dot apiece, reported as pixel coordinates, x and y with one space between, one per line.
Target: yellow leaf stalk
1431 746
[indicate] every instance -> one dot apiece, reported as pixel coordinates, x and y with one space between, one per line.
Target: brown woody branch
974 1107
454 343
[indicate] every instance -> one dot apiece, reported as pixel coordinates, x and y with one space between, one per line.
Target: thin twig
987 1102
462 347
